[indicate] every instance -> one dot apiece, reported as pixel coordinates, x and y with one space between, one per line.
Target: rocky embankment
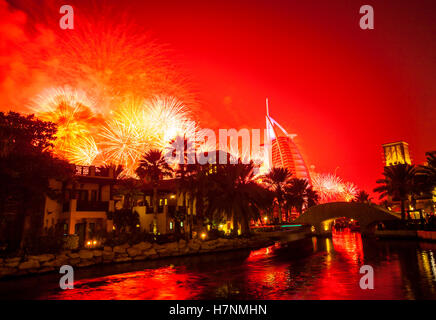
124 253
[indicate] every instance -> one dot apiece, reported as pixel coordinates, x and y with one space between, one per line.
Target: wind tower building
396 153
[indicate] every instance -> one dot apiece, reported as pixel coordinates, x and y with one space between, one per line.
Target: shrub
51 242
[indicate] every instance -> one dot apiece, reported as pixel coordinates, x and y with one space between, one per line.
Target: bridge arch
366 214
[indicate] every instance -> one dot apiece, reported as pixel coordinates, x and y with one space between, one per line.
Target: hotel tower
281 150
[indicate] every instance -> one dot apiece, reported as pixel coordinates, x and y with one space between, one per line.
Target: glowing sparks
73 113
123 144
118 61
331 188
169 118
132 129
84 152
138 96
349 191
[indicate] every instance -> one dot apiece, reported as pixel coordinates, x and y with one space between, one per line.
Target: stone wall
124 253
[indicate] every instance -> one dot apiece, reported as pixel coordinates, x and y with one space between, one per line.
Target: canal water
321 268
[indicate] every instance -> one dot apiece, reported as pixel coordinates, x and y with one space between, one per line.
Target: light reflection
349 244
329 269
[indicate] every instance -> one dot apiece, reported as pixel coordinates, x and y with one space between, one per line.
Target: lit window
171 225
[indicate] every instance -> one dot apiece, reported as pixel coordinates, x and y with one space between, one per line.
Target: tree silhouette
399 183
362 197
153 168
233 194
26 168
277 180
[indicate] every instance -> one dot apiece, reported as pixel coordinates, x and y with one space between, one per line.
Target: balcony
92 171
92 205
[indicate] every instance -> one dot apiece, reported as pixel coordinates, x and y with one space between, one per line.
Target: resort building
396 153
167 202
418 206
84 203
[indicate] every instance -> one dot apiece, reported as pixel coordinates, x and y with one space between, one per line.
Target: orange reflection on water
325 268
349 244
165 283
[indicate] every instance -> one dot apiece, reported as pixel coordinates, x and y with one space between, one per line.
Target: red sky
343 90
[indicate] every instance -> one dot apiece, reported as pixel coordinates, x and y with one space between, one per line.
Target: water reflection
319 268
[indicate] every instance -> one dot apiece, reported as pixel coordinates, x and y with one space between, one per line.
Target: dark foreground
317 269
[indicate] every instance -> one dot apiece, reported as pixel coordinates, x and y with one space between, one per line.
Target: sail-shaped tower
282 150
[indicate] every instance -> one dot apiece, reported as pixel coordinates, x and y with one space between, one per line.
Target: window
83 195
171 225
94 195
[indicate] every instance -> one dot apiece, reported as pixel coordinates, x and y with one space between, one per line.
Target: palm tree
399 183
362 197
296 193
152 168
429 171
234 195
277 180
129 189
266 202
312 197
385 204
117 170
186 182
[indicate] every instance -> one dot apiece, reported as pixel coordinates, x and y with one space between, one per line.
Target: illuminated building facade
396 153
282 150
85 203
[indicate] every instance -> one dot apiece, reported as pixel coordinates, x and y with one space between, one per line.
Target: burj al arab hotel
282 150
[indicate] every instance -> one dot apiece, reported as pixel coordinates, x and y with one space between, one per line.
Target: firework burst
118 61
84 152
349 191
73 113
169 118
136 127
332 188
123 145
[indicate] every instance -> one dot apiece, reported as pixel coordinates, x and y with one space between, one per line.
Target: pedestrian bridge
322 216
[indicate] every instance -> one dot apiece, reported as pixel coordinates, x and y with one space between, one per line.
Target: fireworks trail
137 127
115 93
84 152
332 188
169 118
73 113
123 144
349 191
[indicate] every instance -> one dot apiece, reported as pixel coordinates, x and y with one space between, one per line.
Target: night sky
343 90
